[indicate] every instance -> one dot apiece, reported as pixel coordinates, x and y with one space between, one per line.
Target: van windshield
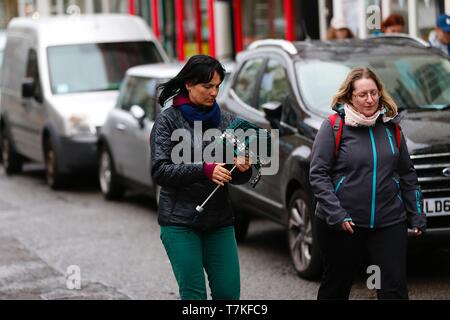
415 82
96 66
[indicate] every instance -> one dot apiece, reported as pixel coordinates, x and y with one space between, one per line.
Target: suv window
274 84
32 72
247 79
139 91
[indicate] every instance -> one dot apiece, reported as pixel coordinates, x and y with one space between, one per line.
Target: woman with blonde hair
366 189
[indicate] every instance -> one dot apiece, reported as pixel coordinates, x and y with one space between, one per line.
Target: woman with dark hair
366 189
196 242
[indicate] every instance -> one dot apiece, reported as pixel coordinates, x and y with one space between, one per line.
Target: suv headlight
78 125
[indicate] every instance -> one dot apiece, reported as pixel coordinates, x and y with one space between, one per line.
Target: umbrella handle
200 208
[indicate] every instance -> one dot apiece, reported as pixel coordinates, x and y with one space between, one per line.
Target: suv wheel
302 246
241 224
12 161
109 184
55 179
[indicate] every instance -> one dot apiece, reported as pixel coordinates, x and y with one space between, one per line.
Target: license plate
437 206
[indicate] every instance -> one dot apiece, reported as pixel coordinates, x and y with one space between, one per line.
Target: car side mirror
138 113
28 88
273 111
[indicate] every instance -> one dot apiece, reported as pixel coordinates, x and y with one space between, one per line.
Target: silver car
124 142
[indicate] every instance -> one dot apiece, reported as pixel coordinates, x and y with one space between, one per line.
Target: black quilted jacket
184 186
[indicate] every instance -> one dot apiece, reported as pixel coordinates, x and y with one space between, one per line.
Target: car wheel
12 161
109 184
241 224
55 180
303 248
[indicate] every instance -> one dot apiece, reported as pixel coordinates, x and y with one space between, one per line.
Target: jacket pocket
390 138
399 192
339 184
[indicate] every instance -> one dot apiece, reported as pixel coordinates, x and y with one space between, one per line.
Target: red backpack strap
398 135
337 125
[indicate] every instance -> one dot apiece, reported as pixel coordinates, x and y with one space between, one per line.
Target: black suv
289 85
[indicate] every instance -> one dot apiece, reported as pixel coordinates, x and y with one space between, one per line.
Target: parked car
124 141
289 86
60 78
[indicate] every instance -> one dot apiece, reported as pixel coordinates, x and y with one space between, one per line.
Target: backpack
338 124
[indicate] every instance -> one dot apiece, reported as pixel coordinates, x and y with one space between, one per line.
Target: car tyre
55 179
241 225
110 186
303 248
12 161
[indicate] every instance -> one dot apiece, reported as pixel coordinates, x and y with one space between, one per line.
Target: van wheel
12 161
55 179
109 184
241 224
303 246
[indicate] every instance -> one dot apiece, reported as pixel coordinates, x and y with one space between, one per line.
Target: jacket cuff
208 169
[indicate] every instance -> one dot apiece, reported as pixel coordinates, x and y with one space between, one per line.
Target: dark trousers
343 255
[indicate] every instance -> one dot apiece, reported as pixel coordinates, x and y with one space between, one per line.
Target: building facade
223 28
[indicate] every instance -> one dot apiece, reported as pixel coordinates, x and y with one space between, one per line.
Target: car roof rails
400 37
283 44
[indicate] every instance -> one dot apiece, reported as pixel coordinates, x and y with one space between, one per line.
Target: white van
60 78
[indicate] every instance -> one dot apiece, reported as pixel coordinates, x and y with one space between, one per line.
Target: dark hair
198 69
394 19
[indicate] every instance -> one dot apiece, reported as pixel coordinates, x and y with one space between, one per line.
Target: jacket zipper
374 179
398 188
339 184
390 140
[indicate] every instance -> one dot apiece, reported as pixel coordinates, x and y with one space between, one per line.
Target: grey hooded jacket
370 182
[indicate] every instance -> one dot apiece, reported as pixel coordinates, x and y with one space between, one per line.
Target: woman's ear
188 86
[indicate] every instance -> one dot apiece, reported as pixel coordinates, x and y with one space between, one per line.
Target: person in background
339 29
440 36
394 23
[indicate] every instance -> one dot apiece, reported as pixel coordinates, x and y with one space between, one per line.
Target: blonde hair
344 94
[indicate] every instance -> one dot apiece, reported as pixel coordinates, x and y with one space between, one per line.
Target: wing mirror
273 111
139 114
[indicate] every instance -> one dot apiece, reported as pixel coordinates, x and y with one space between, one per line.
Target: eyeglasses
364 95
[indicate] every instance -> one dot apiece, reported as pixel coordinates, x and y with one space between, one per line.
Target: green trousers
192 252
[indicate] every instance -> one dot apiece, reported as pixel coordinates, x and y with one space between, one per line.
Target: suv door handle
121 127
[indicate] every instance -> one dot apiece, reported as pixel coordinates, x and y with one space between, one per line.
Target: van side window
139 91
247 80
32 72
274 84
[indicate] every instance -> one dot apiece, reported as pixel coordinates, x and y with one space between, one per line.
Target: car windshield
96 67
414 82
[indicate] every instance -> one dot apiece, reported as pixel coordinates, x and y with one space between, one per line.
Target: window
247 79
32 72
96 67
289 115
274 84
414 81
141 92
